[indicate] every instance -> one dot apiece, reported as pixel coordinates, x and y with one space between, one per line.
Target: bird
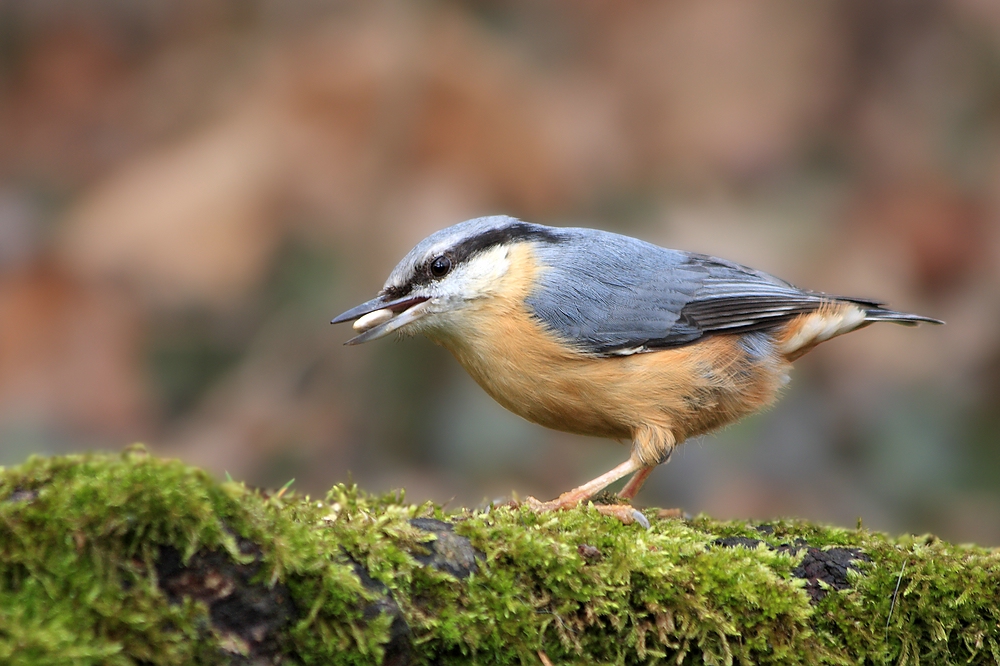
596 333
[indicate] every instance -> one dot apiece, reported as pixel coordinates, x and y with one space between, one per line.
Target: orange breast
686 390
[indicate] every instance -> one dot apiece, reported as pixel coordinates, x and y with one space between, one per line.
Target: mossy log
134 560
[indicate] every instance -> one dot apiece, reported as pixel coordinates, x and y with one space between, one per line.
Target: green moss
83 580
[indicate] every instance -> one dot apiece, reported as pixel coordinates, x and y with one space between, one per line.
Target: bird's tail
879 313
840 315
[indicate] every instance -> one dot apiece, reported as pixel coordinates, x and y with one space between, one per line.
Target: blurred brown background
191 189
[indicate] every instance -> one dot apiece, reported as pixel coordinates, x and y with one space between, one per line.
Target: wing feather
611 294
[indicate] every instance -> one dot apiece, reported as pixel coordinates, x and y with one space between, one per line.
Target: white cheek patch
479 275
820 326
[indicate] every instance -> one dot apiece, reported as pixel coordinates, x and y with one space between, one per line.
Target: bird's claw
623 512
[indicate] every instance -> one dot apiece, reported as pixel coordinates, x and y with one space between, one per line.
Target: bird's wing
611 294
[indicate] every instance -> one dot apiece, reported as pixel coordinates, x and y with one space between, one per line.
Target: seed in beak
373 319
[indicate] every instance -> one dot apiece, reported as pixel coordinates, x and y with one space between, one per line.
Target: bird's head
445 274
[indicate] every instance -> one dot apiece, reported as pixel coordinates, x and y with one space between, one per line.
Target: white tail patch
823 325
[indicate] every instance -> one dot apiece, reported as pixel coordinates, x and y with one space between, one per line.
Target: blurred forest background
191 189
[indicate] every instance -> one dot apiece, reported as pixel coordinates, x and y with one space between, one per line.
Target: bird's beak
381 316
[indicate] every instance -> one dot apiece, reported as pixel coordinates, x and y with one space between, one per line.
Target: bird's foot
625 513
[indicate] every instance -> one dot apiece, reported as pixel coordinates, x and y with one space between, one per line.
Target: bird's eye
440 266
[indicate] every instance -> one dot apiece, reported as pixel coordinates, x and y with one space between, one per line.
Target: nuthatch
600 334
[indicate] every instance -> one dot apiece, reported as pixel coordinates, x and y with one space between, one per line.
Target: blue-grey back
609 293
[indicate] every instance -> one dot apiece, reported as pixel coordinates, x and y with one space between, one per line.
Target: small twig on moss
894 593
284 489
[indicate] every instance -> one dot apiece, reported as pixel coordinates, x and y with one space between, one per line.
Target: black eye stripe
492 238
462 252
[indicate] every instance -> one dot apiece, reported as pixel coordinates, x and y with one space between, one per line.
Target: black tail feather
904 318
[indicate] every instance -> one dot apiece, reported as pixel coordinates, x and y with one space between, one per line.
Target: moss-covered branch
130 559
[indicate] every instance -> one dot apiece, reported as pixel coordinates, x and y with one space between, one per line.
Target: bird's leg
568 500
652 446
635 483
583 493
